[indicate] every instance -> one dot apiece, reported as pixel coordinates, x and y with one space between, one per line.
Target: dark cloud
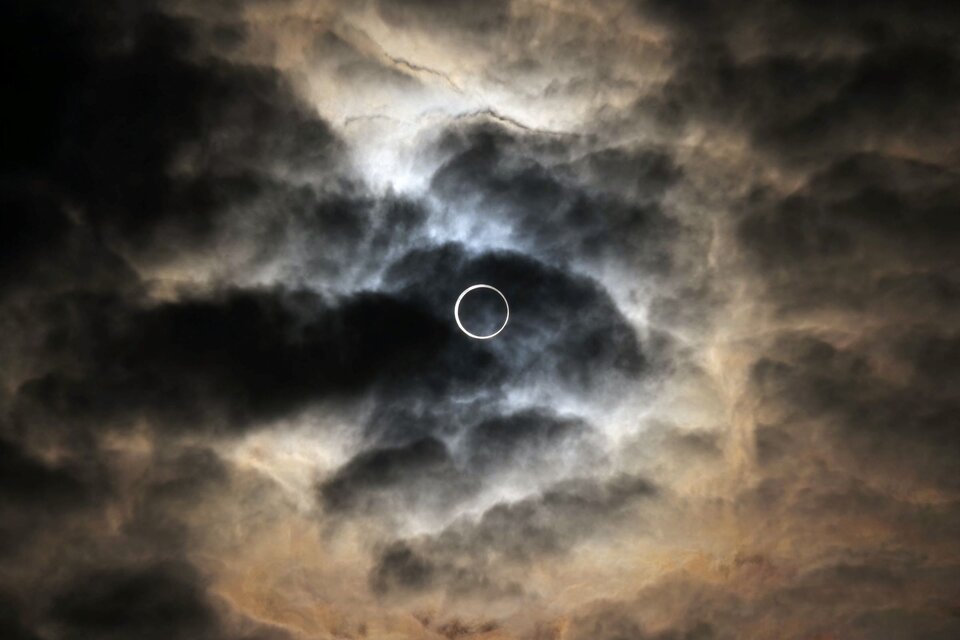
850 239
551 522
846 240
130 580
807 108
359 234
43 249
883 424
860 207
39 495
193 361
805 81
465 559
399 567
869 236
529 439
27 481
123 119
421 474
797 21
558 207
564 322
11 624
228 359
164 600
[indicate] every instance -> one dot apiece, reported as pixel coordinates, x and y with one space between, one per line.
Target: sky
235 403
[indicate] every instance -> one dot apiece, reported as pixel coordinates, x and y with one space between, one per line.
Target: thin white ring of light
456 311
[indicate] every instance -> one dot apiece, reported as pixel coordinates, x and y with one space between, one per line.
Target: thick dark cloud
225 360
11 624
124 121
870 235
229 358
161 601
164 600
128 137
43 249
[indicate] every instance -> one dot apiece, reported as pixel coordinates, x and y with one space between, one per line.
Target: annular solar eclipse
456 311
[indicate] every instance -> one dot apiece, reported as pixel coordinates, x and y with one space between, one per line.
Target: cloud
883 425
458 14
531 438
464 559
565 320
193 362
37 494
561 208
156 601
803 83
376 480
10 622
234 402
861 204
138 118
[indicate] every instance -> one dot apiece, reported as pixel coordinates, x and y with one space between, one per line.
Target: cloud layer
234 402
